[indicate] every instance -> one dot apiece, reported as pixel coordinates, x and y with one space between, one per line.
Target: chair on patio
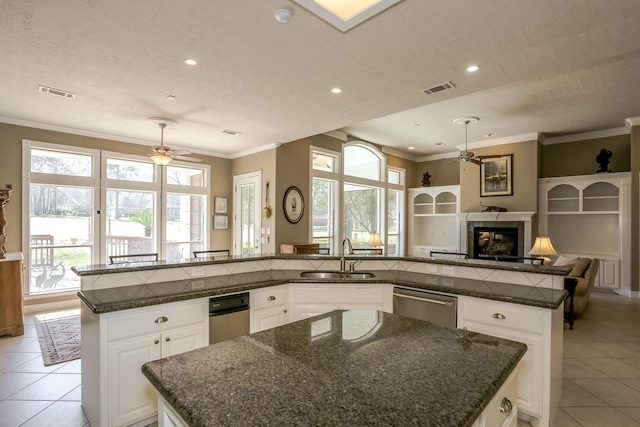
122 259
211 253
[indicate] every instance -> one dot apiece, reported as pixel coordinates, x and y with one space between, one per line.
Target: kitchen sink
337 275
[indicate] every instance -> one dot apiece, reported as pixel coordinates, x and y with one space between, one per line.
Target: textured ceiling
556 67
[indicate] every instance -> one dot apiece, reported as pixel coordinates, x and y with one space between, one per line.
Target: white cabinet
115 392
269 307
573 207
310 299
167 417
502 410
540 370
433 219
609 274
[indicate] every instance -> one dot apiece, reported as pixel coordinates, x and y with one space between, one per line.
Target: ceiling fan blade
189 159
180 152
475 161
493 156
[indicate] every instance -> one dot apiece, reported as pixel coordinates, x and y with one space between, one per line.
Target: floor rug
59 336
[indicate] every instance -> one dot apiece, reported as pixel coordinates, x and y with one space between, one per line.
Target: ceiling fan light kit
162 155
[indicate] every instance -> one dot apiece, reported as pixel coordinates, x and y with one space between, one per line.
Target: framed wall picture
293 204
220 222
220 205
496 176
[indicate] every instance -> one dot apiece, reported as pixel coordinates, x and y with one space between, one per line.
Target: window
372 199
85 205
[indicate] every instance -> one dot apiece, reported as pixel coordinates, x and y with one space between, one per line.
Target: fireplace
509 234
490 242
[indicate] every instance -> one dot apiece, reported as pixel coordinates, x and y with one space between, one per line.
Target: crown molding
588 135
632 121
338 134
255 150
110 137
535 136
398 153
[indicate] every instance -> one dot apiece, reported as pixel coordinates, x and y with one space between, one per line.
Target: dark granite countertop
91 270
360 367
127 297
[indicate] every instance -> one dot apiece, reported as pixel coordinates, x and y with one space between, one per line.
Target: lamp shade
374 239
542 247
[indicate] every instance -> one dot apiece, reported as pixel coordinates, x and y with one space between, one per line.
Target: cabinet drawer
270 297
498 410
156 319
505 315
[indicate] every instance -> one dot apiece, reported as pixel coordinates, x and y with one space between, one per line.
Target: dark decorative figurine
493 208
426 180
603 159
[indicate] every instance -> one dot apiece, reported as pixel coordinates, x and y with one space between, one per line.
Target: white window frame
29 178
336 178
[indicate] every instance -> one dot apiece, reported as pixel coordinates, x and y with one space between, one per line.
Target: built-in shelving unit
433 219
588 216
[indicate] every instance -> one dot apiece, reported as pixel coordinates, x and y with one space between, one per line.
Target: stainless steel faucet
350 252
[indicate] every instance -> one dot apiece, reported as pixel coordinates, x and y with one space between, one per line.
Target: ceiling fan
466 155
162 155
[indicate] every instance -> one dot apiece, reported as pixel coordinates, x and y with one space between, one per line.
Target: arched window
370 210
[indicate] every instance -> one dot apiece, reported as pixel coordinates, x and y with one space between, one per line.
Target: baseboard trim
52 306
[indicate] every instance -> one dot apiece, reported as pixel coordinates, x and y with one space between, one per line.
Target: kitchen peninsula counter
136 296
361 367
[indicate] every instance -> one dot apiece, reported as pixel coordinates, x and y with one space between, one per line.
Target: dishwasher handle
429 300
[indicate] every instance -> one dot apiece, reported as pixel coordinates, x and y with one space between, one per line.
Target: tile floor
601 386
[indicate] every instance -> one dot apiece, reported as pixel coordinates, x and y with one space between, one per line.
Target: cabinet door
269 318
131 396
182 340
608 274
529 394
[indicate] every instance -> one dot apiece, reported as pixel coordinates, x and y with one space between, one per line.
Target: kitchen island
358 367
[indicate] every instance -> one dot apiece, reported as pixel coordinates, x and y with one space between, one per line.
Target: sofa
584 271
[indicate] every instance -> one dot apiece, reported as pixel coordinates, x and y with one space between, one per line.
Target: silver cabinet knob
271 298
505 405
167 339
284 311
161 319
156 341
499 316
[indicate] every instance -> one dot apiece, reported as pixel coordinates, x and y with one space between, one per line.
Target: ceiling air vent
439 88
56 92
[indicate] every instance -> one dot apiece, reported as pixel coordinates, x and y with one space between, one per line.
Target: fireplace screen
490 242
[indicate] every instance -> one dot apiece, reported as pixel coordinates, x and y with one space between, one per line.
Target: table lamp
543 247
374 240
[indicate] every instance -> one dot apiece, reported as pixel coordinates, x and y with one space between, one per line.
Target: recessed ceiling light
190 61
472 68
336 90
439 144
171 98
412 148
488 135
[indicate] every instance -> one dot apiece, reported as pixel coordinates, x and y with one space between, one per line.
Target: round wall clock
293 204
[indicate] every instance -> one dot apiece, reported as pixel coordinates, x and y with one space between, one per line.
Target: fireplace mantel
526 218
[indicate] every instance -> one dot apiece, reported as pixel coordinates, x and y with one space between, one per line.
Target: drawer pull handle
271 298
505 406
156 342
167 339
161 319
499 316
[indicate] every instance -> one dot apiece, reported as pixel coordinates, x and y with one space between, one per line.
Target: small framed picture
220 205
293 204
220 222
496 176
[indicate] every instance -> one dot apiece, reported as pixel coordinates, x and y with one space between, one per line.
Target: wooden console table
11 312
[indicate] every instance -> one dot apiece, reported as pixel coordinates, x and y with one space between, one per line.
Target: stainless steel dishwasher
423 305
228 317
